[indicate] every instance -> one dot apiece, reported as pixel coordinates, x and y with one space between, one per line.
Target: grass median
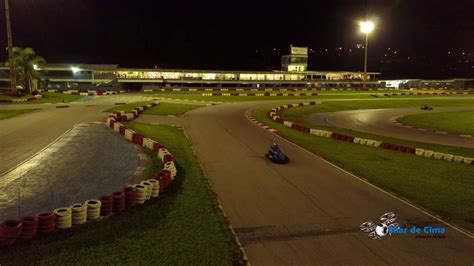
452 122
48 97
444 188
182 227
163 108
11 113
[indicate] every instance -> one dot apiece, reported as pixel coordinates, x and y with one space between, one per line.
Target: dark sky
242 34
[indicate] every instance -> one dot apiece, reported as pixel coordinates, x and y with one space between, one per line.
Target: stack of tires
79 213
30 227
46 222
10 230
169 166
93 210
106 208
63 218
149 188
141 193
118 201
155 191
130 197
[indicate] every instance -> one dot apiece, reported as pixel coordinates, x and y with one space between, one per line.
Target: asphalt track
309 211
87 162
23 136
306 212
383 122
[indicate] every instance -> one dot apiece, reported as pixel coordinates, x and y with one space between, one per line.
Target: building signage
299 50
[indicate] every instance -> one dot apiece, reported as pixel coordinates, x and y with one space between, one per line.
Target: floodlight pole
10 48
365 61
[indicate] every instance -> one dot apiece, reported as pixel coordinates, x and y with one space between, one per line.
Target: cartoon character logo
377 231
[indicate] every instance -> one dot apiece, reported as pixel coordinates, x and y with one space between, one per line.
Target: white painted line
466 136
442 132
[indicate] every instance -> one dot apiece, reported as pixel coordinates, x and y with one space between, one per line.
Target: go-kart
426 107
277 158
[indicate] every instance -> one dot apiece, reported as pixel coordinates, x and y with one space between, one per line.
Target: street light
75 69
366 27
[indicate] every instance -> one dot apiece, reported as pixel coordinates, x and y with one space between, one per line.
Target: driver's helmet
275 146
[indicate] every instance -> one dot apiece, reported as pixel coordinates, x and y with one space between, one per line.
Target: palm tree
27 64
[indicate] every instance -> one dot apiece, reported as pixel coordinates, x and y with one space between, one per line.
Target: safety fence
275 115
105 206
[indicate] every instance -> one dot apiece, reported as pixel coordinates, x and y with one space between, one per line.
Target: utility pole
10 48
365 61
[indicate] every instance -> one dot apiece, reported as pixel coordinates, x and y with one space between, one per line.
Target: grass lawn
453 122
444 188
52 97
10 113
162 109
182 227
6 97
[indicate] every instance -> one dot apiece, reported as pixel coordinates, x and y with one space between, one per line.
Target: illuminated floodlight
366 26
75 69
35 67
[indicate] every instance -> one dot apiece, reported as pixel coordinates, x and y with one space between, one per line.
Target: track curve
383 122
308 211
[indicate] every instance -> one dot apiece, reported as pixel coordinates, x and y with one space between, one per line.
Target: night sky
412 38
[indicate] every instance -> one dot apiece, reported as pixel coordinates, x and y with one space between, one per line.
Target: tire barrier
149 187
10 230
274 115
88 93
448 157
118 201
468 160
30 227
169 166
106 208
141 193
162 152
458 159
93 209
155 191
164 178
96 209
63 218
79 213
419 93
46 222
257 91
257 94
130 197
